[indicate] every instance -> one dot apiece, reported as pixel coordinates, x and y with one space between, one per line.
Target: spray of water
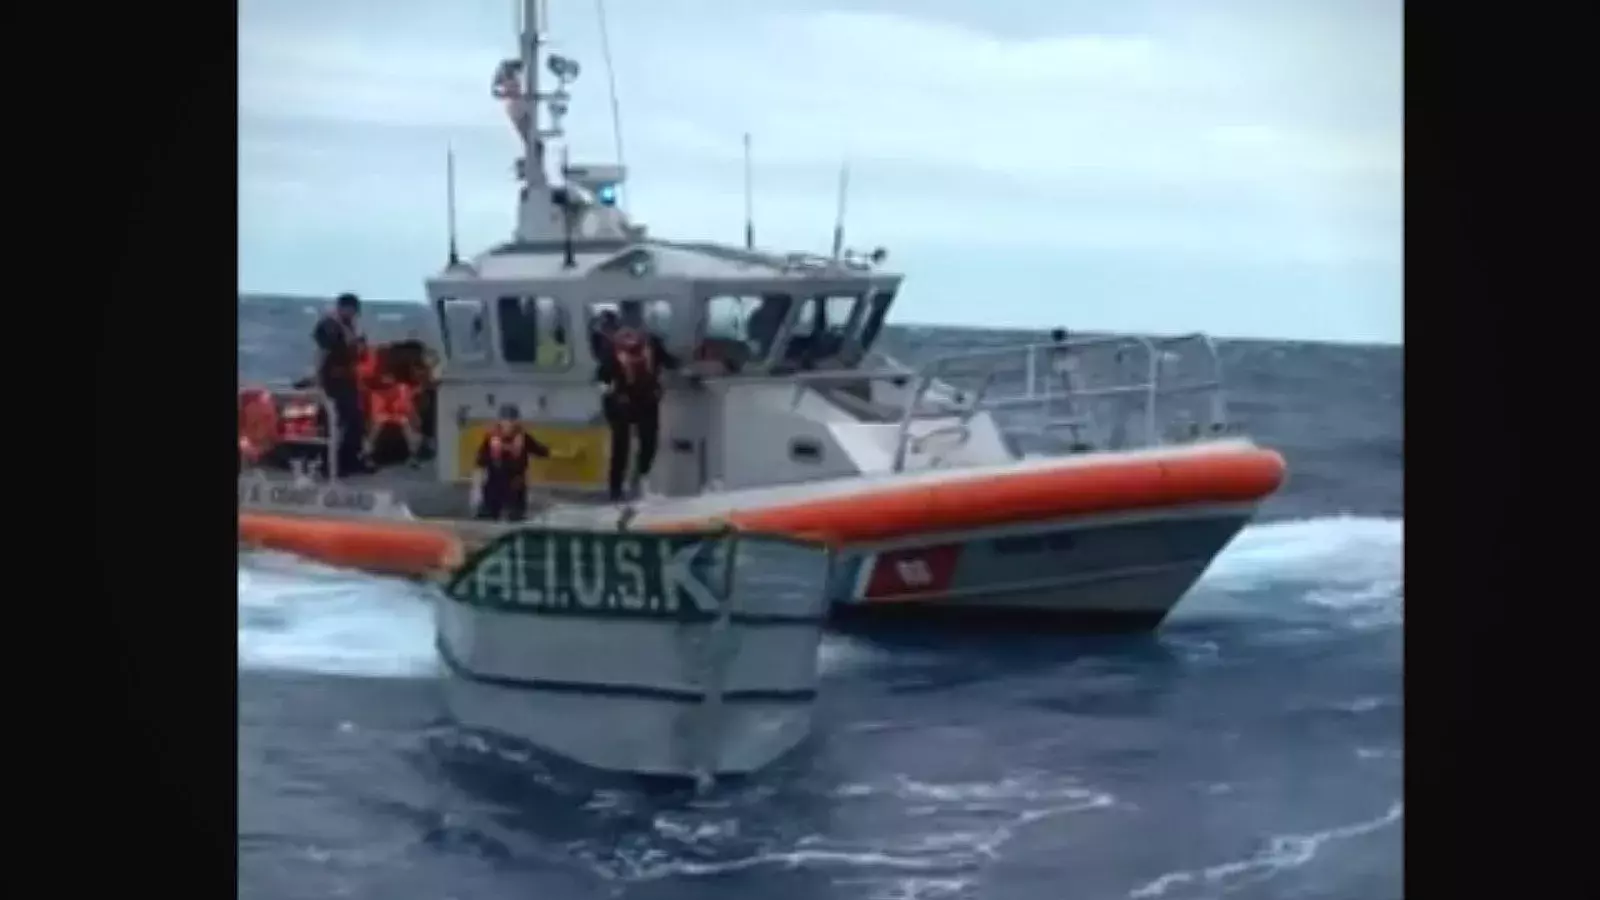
298 616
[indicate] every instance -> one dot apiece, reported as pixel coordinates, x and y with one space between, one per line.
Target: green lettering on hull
604 575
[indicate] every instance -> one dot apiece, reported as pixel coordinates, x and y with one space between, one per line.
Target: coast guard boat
789 418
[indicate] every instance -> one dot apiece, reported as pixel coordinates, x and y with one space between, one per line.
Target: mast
534 174
749 210
537 217
546 212
838 221
450 202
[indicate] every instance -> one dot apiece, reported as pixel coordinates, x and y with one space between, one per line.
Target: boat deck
428 499
448 504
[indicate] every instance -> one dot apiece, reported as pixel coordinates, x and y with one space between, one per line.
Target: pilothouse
518 323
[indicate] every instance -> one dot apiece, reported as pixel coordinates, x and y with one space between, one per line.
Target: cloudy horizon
1233 166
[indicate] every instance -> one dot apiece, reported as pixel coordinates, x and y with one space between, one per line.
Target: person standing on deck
1063 367
393 428
630 378
258 428
500 478
338 353
1063 364
1061 391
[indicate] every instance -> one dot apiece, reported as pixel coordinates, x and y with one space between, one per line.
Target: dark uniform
631 373
604 326
503 458
335 335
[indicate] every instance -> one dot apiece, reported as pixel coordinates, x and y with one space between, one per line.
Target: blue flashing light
607 194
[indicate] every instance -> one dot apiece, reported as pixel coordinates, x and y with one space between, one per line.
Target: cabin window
654 316
872 322
463 328
738 329
533 332
821 328
805 322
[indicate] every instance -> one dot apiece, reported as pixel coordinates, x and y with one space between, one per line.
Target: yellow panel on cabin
590 444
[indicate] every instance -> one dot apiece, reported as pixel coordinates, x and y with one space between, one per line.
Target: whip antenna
838 222
749 209
450 201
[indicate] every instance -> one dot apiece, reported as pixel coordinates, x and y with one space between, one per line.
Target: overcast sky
1233 166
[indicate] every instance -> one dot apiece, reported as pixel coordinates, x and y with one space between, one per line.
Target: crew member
393 434
258 428
338 351
500 478
630 376
1063 363
413 364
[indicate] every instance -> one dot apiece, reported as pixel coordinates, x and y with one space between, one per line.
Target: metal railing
1078 376
1119 392
281 394
1092 386
1110 392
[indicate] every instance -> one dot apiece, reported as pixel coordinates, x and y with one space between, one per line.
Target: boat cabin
519 324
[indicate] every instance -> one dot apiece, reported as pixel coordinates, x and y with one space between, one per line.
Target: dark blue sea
1252 748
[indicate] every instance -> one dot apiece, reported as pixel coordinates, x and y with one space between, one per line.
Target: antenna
749 212
838 222
568 213
450 200
611 82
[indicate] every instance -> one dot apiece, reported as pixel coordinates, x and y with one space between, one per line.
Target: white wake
303 617
1346 569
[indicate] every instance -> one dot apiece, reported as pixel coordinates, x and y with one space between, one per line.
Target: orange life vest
258 424
502 448
391 403
636 360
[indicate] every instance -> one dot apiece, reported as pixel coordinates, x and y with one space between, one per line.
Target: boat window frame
867 331
548 311
842 356
485 323
760 354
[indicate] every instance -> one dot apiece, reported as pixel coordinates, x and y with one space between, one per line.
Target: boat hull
1094 543
1099 574
635 734
640 654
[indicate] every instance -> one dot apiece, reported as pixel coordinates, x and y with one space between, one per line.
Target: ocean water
1250 749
